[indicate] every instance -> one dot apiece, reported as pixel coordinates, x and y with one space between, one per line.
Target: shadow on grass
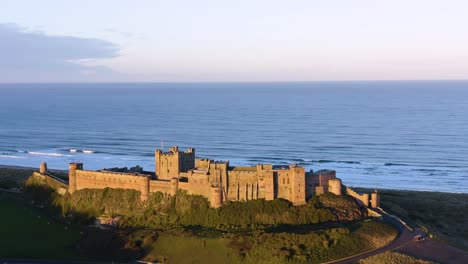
93 243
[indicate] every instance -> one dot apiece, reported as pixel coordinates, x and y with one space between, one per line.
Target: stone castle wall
160 186
85 179
216 180
199 184
362 198
243 185
59 185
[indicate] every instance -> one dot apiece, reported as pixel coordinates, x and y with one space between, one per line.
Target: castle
216 180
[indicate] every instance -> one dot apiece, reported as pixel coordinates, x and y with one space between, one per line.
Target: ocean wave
335 161
85 151
11 157
395 164
426 170
45 154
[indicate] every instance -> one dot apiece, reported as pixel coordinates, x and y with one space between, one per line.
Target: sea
409 135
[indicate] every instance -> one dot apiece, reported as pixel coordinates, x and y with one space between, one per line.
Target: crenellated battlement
170 164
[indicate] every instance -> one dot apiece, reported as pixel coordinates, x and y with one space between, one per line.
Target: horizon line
239 82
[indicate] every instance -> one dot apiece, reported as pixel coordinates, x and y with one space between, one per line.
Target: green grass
321 245
176 249
162 211
184 229
391 257
26 232
13 178
256 247
444 215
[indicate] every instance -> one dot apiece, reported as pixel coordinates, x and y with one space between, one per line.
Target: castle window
284 181
288 180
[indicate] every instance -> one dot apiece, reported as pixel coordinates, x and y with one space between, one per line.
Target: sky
229 41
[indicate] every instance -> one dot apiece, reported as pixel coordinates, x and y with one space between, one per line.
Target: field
304 245
27 232
177 249
11 177
443 215
393 257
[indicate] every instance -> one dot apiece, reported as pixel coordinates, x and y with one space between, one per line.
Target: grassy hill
443 215
182 210
28 232
182 228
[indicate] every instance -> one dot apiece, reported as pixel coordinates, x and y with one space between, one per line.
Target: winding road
405 235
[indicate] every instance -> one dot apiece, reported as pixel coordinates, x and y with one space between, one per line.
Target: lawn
192 250
26 232
393 257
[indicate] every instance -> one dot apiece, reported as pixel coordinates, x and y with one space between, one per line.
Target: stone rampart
334 186
362 198
160 186
375 200
199 184
53 182
184 186
104 179
216 197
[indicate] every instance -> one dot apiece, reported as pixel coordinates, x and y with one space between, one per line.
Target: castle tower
334 186
375 200
216 197
269 182
365 199
174 186
145 189
43 168
72 167
297 196
170 164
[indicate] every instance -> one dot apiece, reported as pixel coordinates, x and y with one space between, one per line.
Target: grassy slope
390 257
189 210
443 214
26 232
176 249
256 247
317 244
13 178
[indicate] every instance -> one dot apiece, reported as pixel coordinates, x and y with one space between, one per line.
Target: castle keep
216 180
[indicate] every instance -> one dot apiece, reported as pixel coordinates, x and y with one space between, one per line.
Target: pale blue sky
233 40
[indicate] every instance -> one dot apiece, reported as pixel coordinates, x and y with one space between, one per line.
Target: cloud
38 57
